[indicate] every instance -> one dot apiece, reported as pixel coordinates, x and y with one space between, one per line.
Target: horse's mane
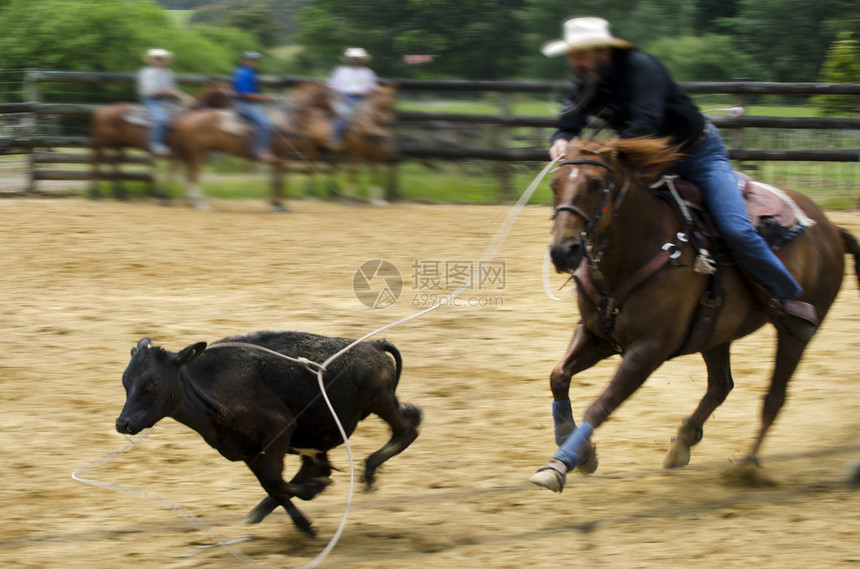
374 116
312 94
647 156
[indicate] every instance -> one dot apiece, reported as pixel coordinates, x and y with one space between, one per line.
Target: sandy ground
82 281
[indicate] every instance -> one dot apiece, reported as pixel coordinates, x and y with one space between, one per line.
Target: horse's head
313 94
381 104
590 182
216 95
582 188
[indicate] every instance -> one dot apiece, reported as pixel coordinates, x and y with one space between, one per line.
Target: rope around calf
318 368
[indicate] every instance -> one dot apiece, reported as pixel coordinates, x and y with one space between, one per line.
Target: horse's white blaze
574 172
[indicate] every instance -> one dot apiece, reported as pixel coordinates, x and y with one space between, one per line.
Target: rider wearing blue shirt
249 101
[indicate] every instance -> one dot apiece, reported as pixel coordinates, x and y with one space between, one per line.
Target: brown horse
369 140
639 294
124 125
302 128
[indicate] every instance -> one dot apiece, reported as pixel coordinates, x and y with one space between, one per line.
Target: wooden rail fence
500 151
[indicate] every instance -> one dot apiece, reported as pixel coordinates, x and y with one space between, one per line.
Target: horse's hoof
279 208
200 205
379 203
677 456
551 476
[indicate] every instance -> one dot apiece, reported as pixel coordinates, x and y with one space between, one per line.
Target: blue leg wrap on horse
569 452
562 418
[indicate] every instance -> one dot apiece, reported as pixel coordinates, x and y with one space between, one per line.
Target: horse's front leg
637 364
584 351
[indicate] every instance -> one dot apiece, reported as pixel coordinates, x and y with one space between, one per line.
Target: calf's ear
189 354
144 343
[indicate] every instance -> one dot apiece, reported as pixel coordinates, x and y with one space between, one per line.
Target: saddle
774 215
233 123
138 116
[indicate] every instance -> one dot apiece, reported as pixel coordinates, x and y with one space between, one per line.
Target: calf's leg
268 468
403 420
313 477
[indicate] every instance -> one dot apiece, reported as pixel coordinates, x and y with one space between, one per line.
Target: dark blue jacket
637 98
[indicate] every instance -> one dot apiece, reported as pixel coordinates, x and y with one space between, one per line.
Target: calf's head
152 384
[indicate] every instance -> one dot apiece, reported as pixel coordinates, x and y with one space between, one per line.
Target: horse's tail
853 247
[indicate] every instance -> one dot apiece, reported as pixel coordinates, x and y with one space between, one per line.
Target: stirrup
794 317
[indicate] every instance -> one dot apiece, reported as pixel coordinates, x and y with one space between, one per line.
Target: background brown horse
113 130
302 128
369 141
606 212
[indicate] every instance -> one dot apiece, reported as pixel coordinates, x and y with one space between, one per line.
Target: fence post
31 95
501 136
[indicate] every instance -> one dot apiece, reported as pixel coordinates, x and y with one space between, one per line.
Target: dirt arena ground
83 281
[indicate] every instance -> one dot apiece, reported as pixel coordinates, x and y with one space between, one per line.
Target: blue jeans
345 109
159 115
708 166
259 117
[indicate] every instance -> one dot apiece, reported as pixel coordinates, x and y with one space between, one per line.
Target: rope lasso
489 254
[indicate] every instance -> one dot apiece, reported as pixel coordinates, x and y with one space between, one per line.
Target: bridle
591 221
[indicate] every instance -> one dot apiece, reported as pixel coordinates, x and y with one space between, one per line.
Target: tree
272 21
787 39
106 35
474 39
708 57
841 66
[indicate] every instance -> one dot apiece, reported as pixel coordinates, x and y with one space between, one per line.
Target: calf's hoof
551 476
310 489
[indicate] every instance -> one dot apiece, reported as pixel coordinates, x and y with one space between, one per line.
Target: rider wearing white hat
353 81
635 96
156 86
583 33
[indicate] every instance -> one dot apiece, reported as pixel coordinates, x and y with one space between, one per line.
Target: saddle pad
763 201
230 122
138 116
766 201
233 123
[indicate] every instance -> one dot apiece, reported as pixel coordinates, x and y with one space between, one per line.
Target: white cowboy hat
251 55
157 52
583 33
355 53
